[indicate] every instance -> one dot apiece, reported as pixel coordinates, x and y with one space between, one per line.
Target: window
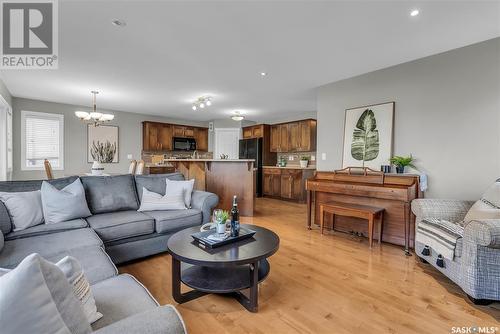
42 138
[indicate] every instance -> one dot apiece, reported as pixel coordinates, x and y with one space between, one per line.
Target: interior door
226 142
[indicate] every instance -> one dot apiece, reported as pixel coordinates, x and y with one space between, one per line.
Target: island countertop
210 160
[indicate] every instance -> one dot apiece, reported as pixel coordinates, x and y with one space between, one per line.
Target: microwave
183 144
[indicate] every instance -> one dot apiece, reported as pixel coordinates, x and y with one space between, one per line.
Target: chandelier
94 117
202 102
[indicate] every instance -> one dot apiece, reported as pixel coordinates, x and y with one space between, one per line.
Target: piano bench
370 213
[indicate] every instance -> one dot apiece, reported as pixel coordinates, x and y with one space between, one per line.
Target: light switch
323 156
290 158
313 157
129 156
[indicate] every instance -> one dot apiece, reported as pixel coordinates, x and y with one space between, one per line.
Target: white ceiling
171 52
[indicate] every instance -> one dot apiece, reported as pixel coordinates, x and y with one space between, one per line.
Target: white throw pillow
152 201
37 298
25 208
65 204
81 287
187 186
488 207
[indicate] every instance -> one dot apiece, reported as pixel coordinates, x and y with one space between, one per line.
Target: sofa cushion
170 221
2 240
65 204
47 229
155 182
110 193
19 186
37 298
121 224
96 263
120 297
14 251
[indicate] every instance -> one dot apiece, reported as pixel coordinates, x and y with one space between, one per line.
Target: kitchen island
225 178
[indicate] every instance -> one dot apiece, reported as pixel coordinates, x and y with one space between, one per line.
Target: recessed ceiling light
118 23
263 74
414 12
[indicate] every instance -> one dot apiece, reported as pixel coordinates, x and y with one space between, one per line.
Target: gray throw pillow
25 208
1 240
37 298
65 204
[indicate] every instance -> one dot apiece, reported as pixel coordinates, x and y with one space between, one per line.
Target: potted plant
221 219
401 162
304 161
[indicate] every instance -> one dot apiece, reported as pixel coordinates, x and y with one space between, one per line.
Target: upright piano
393 192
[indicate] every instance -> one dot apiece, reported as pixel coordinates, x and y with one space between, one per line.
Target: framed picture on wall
102 143
368 136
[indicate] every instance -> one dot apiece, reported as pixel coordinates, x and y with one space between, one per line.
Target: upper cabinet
183 131
254 131
201 137
158 136
299 136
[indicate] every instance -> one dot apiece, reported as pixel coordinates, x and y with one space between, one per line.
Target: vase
97 168
303 163
400 169
221 228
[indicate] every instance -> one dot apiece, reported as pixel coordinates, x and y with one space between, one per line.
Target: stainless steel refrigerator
252 149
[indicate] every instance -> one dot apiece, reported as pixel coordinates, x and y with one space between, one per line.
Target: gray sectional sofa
116 232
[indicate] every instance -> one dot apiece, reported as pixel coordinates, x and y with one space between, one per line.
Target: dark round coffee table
227 269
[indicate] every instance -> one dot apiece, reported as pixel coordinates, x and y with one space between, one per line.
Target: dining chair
132 167
139 170
48 169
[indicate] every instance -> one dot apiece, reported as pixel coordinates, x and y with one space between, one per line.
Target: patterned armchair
476 263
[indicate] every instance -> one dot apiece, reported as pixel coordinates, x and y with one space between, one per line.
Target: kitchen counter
210 160
224 177
290 167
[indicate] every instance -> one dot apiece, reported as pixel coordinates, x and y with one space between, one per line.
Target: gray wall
5 93
75 137
447 115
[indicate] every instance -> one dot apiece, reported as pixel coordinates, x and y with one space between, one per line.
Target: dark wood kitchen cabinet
298 136
157 137
271 182
286 183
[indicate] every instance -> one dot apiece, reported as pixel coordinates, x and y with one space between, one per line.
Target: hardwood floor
330 283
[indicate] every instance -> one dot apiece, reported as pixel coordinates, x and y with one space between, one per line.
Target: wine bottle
235 218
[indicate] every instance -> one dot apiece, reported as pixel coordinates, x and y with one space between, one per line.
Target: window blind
42 140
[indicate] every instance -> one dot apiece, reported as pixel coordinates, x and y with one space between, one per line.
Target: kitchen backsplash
150 156
292 159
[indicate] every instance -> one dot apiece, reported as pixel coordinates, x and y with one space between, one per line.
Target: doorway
5 140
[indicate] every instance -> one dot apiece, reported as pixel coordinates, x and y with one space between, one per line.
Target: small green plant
402 162
222 216
304 158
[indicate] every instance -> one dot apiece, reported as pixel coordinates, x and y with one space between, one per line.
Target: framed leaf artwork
368 136
102 143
